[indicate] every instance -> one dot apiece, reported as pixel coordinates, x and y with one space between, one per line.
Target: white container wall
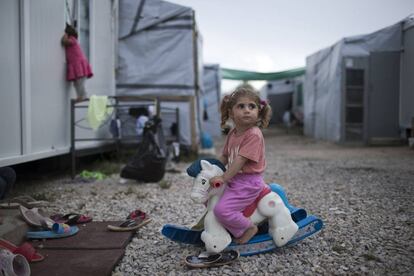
35 96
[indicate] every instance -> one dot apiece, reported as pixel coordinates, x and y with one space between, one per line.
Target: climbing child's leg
80 89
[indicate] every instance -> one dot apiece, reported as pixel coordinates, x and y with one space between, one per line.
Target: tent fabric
136 16
210 100
323 99
157 56
156 49
407 71
231 74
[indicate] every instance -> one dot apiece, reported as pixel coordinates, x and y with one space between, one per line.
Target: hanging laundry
98 111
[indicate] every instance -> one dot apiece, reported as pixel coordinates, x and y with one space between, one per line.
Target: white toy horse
216 238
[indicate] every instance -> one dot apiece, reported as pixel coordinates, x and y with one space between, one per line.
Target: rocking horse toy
279 222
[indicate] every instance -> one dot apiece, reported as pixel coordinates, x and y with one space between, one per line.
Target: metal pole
118 141
72 137
177 118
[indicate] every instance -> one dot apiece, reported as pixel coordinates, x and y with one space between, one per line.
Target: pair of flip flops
25 200
58 230
71 218
49 229
209 260
134 221
26 250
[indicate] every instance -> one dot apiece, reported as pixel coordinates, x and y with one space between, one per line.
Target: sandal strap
137 214
27 250
71 218
128 223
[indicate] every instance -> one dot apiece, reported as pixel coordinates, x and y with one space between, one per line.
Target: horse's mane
195 167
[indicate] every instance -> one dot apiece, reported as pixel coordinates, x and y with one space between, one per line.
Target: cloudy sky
276 35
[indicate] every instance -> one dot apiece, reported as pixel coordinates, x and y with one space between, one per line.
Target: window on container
355 96
354 115
354 77
70 11
84 26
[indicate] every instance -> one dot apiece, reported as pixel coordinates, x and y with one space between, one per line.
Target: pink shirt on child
250 145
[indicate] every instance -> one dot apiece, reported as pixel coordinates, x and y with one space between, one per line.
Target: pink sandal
26 250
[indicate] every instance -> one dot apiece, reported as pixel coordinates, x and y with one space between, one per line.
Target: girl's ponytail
224 109
265 114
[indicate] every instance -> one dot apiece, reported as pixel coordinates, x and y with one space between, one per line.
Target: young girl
244 153
78 68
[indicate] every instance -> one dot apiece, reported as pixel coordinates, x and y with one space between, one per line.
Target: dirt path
364 195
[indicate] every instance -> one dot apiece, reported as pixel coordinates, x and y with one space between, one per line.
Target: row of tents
358 89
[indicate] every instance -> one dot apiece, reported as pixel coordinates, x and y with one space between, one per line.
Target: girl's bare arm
65 40
235 167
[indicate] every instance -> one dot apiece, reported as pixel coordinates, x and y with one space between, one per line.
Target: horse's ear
205 165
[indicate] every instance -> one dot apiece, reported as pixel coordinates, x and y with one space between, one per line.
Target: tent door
383 97
354 104
280 103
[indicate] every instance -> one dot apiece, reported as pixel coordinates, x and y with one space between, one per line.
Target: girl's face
244 113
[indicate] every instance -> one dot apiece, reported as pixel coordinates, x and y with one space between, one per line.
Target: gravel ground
363 194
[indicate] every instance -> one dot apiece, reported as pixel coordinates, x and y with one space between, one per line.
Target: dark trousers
7 179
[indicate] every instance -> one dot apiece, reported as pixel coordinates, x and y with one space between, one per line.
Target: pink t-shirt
250 145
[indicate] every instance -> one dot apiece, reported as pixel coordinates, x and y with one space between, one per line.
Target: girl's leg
239 193
3 187
7 179
80 88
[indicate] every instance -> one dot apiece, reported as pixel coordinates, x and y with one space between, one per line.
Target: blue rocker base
262 242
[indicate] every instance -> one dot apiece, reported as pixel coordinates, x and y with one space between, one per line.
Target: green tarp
231 74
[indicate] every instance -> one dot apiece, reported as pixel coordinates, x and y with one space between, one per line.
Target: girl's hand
217 181
65 40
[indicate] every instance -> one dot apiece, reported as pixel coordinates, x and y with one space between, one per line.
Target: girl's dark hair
265 111
71 31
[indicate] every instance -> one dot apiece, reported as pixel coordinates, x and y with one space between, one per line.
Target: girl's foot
79 99
248 234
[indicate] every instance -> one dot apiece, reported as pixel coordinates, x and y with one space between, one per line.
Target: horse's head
201 188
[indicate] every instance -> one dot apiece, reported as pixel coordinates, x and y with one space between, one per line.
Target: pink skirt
78 70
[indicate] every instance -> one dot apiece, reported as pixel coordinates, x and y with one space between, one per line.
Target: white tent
210 100
352 89
160 56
